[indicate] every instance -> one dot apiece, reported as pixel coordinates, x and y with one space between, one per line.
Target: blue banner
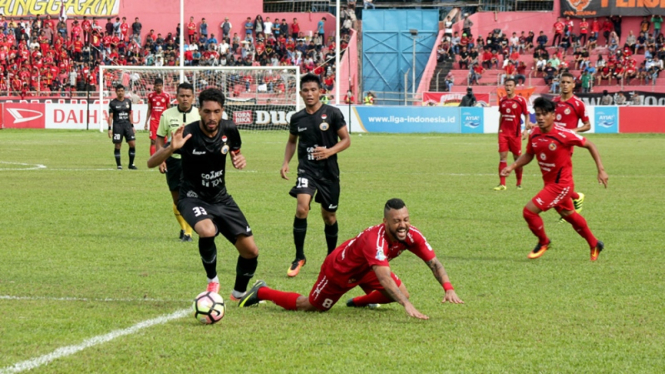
472 120
416 119
606 120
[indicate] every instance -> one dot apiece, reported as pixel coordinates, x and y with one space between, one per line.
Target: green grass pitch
87 250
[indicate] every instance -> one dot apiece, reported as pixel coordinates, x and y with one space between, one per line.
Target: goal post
257 97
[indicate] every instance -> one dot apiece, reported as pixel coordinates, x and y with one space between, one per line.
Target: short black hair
159 81
211 94
310 78
119 86
184 86
509 80
545 105
393 203
568 75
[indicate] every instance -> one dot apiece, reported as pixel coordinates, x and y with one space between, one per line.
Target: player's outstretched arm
321 153
524 159
602 175
238 160
383 275
440 274
288 155
177 141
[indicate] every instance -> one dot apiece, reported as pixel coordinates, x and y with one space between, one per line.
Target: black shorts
173 173
327 192
226 215
120 131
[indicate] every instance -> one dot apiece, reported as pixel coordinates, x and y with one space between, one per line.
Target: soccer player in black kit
120 125
320 133
203 200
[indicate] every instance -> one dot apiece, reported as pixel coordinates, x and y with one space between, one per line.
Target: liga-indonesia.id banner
607 8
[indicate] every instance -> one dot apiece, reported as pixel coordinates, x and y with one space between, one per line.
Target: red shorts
555 196
512 144
154 124
327 290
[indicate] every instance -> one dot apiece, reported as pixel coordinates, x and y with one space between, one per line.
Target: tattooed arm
441 276
383 275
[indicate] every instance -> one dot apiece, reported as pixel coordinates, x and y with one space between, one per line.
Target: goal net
257 97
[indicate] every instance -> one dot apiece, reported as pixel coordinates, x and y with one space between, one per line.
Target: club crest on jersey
543 156
567 111
508 110
514 106
324 126
552 147
225 149
558 117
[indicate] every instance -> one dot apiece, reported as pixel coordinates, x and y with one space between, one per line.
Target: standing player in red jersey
158 102
363 261
511 108
552 146
570 110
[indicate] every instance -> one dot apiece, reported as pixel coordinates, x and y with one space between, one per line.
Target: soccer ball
209 307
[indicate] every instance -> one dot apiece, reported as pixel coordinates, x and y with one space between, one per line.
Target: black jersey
120 111
204 161
317 130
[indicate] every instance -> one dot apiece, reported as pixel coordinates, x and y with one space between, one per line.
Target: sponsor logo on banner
472 120
606 120
27 8
23 116
242 117
80 117
412 119
277 115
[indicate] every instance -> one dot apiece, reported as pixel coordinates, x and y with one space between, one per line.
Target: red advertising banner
607 8
452 98
23 116
641 119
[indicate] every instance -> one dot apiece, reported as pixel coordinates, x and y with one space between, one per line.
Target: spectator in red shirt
124 29
191 29
558 29
607 28
86 26
584 31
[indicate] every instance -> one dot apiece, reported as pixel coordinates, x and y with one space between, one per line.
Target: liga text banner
607 8
73 8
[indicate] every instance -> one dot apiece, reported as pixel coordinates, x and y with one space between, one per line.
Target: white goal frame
295 70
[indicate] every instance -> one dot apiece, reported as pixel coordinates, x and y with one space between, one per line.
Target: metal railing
395 98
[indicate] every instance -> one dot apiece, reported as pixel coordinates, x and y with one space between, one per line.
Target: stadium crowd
46 55
566 51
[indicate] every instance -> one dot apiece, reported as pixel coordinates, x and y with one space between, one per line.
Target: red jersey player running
552 146
569 111
158 102
364 261
511 108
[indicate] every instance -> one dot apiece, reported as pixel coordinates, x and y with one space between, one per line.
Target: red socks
286 300
374 297
580 225
502 165
518 174
536 225
152 149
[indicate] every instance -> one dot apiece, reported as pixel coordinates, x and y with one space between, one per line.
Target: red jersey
511 115
158 104
355 257
570 112
584 27
553 152
558 28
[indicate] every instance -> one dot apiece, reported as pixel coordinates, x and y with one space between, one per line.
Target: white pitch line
32 166
100 339
9 297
